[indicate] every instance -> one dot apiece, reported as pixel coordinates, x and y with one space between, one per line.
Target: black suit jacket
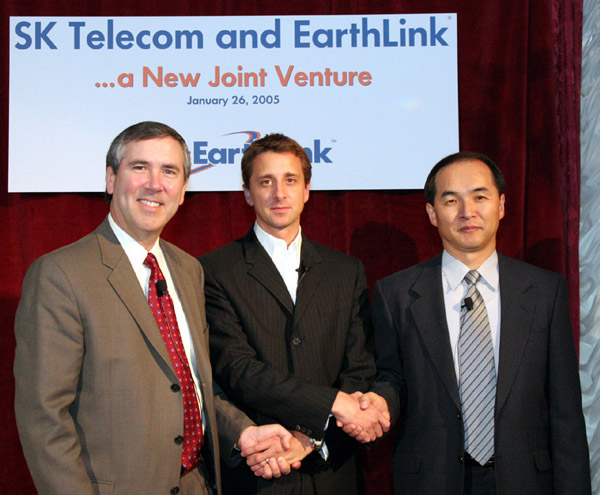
283 362
540 441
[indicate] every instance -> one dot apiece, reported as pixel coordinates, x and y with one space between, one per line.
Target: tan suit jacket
96 406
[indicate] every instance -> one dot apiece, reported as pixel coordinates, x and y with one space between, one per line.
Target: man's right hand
363 416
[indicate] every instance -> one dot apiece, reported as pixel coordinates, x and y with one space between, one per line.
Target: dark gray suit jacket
284 362
540 440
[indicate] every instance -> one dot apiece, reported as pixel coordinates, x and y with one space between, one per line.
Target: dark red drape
519 72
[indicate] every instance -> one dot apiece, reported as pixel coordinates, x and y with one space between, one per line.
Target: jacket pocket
407 462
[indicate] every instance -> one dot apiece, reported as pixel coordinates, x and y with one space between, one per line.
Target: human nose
155 180
467 209
278 189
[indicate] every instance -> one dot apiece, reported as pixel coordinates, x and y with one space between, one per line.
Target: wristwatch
317 445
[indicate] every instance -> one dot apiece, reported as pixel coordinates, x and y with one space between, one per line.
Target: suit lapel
188 297
185 289
517 307
262 268
125 283
428 311
313 271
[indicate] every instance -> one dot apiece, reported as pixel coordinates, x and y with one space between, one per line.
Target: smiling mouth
147 202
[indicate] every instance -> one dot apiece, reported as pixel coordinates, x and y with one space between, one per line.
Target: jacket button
175 490
175 387
461 459
178 440
296 341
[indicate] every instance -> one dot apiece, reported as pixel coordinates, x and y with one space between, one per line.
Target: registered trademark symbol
334 140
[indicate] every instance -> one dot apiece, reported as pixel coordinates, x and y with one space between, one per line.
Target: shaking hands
271 451
364 417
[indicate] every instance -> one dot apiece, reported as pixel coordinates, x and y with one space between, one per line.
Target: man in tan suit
99 405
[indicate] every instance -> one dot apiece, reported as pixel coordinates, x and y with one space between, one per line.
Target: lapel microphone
303 270
467 302
161 287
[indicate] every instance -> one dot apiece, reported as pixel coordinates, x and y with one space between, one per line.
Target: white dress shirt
453 272
137 254
286 258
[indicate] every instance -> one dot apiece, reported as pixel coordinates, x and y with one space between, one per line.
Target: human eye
265 182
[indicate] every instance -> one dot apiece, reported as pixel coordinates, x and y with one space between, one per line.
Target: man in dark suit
485 369
288 321
100 398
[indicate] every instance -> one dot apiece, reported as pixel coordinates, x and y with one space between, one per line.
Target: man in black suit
527 436
288 321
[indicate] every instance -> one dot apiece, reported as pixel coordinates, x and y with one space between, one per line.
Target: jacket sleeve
231 423
569 449
390 382
48 360
359 364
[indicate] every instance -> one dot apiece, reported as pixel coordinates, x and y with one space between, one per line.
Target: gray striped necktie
477 373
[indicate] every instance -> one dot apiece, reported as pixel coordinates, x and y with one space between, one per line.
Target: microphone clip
467 304
161 287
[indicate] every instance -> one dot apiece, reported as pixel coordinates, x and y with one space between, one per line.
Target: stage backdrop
518 72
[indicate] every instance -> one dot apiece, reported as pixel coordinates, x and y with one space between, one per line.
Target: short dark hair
278 143
141 132
462 156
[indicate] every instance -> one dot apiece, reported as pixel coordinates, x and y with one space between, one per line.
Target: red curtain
519 73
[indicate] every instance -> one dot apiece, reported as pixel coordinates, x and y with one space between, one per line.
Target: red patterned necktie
164 314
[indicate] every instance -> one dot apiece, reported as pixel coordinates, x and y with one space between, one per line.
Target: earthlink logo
205 156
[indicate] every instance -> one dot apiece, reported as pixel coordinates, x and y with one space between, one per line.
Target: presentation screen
372 98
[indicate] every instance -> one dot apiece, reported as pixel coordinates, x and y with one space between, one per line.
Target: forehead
464 176
272 163
163 150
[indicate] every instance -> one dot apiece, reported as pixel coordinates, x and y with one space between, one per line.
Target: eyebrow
146 162
271 176
477 189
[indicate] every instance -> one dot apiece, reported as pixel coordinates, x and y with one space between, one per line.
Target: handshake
364 417
272 451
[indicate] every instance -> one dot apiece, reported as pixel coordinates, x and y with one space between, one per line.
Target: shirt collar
454 271
134 250
273 244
